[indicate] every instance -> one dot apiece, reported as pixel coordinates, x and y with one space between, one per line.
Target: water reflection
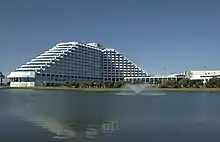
76 116
203 108
67 116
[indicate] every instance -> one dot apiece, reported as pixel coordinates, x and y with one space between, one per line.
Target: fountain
136 88
139 89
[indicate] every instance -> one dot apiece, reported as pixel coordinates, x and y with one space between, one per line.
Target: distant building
75 62
156 79
203 75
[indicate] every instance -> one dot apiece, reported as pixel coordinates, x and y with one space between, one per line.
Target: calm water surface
68 116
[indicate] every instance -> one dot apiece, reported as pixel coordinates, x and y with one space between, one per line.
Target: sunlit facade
74 62
116 66
203 75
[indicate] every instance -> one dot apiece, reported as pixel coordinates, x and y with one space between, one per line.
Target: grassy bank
120 89
187 89
4 87
69 88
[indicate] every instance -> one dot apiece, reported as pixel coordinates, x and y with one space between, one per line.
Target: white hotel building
79 62
75 62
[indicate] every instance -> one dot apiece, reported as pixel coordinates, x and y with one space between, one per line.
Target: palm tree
100 85
1 78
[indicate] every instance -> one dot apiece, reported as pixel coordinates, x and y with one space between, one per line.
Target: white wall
202 75
22 84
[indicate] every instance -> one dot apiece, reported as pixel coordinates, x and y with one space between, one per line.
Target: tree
84 85
118 84
1 78
138 82
185 82
7 84
196 83
213 83
158 82
170 84
100 85
92 84
77 85
109 84
68 84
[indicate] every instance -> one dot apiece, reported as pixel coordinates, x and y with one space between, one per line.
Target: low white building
204 75
156 79
22 78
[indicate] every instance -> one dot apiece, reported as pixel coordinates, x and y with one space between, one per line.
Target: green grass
69 88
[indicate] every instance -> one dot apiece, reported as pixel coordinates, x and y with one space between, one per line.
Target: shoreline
118 89
5 87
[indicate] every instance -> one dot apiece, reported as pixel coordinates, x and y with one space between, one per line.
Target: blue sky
155 34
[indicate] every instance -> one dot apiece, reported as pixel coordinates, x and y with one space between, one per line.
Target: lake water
68 116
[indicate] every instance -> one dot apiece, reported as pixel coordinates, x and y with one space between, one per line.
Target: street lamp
164 69
205 76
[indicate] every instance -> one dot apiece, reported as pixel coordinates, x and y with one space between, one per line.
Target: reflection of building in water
32 108
108 127
26 110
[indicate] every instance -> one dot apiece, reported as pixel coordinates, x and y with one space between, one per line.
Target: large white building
75 62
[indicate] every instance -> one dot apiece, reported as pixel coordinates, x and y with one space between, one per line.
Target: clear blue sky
176 34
